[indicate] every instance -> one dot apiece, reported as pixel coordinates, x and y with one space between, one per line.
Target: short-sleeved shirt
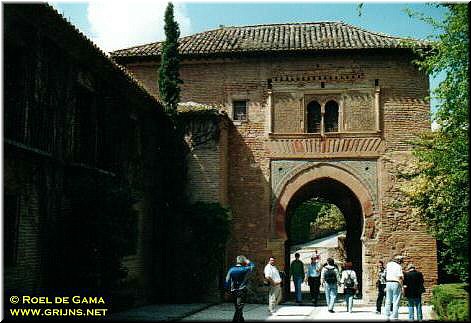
273 273
393 272
313 270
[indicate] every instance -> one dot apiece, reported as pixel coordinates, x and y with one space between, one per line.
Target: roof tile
275 37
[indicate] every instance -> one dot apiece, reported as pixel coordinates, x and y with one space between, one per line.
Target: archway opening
334 230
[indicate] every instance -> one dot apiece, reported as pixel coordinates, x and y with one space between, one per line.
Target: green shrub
450 302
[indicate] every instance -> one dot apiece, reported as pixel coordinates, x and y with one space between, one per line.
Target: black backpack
349 282
330 276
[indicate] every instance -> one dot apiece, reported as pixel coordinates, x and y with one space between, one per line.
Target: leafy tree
439 184
169 77
325 218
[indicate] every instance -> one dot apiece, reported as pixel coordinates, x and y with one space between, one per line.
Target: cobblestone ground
257 312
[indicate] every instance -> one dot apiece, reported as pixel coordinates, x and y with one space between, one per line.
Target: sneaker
377 312
331 311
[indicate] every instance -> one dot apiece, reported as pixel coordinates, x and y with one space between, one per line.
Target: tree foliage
169 77
438 186
313 219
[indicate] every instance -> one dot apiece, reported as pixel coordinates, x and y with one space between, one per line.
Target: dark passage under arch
336 193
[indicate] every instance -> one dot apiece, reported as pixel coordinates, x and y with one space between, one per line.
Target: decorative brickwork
282 171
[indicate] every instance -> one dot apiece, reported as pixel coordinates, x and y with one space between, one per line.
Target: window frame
246 106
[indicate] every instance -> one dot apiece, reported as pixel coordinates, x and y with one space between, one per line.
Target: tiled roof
275 37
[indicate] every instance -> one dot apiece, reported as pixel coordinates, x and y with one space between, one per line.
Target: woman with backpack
350 285
330 278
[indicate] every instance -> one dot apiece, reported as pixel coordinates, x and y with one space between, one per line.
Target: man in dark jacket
413 289
236 283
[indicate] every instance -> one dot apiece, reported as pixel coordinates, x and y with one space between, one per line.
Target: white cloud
121 24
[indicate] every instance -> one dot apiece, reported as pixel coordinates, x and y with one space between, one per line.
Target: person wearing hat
394 280
413 289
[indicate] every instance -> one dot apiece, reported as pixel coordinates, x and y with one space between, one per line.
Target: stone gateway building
320 109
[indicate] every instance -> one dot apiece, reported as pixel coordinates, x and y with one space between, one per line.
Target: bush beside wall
451 302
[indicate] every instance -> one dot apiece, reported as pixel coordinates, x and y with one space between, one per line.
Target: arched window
331 117
313 117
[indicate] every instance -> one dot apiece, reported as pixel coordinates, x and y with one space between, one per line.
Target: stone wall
206 159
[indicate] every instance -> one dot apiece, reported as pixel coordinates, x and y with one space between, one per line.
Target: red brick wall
403 112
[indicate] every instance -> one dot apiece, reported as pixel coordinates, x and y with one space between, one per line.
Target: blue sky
94 17
120 24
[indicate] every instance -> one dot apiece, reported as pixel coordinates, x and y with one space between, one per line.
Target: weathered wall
206 159
50 72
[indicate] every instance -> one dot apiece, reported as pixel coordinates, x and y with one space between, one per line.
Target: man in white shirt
272 275
394 279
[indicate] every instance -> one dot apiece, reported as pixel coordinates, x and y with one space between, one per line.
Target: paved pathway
257 312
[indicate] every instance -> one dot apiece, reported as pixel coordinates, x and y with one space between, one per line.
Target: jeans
297 288
330 295
393 296
417 303
349 301
314 284
239 303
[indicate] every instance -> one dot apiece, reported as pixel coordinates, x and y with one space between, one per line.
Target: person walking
314 278
413 289
236 283
350 285
381 285
272 275
394 280
330 279
297 272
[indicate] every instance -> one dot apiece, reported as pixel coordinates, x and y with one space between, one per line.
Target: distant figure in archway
314 278
297 272
330 278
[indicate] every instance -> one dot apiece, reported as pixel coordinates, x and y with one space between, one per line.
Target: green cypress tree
169 77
